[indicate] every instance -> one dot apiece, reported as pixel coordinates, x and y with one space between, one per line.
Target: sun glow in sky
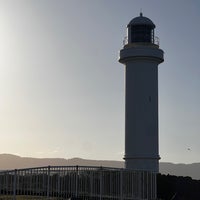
62 88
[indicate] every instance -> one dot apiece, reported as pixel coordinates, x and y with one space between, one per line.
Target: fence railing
81 182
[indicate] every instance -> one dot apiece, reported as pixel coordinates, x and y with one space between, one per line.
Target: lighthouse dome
141 30
141 20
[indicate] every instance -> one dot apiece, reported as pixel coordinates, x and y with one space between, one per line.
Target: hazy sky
62 88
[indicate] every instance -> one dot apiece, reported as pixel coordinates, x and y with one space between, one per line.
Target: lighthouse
141 56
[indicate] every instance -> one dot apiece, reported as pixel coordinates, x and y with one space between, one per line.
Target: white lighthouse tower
141 56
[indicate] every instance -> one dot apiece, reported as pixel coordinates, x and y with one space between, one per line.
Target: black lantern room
141 30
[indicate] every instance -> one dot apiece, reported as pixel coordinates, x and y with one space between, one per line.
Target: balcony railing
155 40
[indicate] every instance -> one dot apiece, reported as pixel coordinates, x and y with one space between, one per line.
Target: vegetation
177 188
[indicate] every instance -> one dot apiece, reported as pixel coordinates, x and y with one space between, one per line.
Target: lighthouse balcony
141 51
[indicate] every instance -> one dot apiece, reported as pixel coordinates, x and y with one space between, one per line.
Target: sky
62 87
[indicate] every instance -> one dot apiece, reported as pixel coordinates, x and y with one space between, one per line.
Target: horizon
91 159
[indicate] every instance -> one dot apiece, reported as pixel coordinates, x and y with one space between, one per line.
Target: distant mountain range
9 161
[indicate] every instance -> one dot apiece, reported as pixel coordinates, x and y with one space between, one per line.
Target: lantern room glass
142 33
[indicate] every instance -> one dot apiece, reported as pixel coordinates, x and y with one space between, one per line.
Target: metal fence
82 182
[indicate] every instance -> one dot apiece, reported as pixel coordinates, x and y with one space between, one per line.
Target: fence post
121 184
0 184
6 183
101 182
155 185
139 180
14 184
76 192
48 182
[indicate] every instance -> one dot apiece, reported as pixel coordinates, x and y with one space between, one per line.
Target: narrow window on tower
149 98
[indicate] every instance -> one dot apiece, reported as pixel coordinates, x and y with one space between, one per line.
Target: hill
9 161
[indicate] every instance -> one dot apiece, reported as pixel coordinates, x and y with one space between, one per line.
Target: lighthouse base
144 164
